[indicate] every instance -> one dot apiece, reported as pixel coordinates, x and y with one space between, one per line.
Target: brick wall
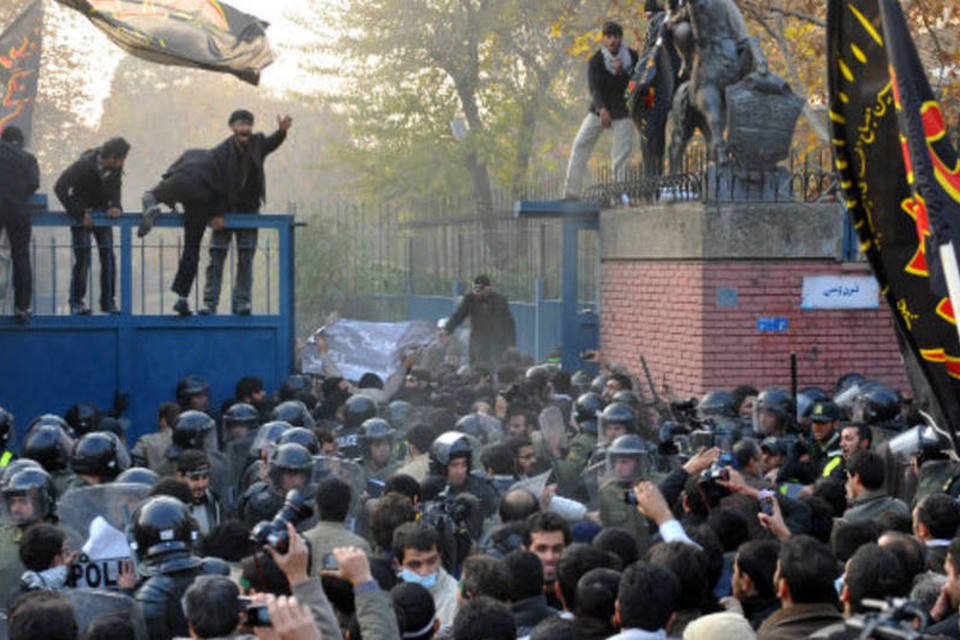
667 311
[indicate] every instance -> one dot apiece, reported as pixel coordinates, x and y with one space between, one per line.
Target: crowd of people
477 504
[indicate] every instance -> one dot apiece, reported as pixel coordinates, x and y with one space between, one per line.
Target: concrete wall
684 284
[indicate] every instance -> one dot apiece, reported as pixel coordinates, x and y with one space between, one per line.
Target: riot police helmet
194 430
599 384
29 496
6 426
241 416
302 436
357 409
290 458
50 418
777 402
375 430
293 412
586 411
470 424
807 397
876 406
101 454
399 414
627 397
619 413
190 387
49 445
449 446
294 384
267 437
632 447
82 418
717 403
580 381
162 536
139 475
15 466
846 381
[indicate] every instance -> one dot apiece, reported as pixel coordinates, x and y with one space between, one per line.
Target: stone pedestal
711 296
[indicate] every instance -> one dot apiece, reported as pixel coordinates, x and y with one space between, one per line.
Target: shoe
207 311
242 310
150 212
111 308
79 309
21 315
182 307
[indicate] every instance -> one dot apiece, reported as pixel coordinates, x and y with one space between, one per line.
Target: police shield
236 454
347 470
95 520
595 475
90 604
553 428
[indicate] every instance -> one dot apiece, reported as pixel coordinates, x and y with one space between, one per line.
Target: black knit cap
240 114
417 610
612 28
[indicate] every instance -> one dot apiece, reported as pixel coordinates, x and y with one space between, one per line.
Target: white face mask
427 582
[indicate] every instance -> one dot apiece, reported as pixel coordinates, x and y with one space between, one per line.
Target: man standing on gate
608 74
241 159
19 178
491 324
93 183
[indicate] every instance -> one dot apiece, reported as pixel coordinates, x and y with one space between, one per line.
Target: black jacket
607 90
530 612
85 186
19 175
243 169
203 179
159 599
490 320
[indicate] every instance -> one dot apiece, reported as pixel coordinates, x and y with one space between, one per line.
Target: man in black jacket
241 159
195 181
608 73
491 324
19 178
93 183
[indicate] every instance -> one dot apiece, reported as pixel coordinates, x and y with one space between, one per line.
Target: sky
103 56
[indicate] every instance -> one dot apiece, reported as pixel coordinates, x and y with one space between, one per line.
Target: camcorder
296 508
893 620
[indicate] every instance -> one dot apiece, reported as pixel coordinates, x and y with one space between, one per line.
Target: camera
256 614
296 508
766 498
630 497
893 620
716 471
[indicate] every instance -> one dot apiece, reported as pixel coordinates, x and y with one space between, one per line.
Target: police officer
97 458
302 436
451 457
6 431
163 537
356 410
290 467
826 456
19 179
264 444
29 497
47 442
775 413
376 437
193 393
93 183
193 430
293 412
628 462
586 416
194 180
240 158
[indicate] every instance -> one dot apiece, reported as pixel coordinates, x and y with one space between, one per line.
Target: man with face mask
93 183
416 552
241 158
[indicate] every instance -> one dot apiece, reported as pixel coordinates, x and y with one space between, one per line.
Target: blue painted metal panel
55 361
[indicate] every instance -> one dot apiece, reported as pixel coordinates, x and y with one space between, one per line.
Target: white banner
840 292
359 347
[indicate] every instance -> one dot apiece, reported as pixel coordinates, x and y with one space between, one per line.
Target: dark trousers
219 246
82 246
181 188
17 223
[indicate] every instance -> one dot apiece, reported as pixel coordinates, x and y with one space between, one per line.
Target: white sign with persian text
840 292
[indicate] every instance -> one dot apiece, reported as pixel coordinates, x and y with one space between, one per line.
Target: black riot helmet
190 387
289 458
162 536
304 437
399 413
138 475
717 403
6 426
599 384
374 430
447 447
627 397
192 430
876 406
101 454
17 466
293 412
267 437
82 418
586 411
36 486
294 384
618 413
357 409
846 381
49 418
241 415
807 397
49 445
470 425
580 381
777 402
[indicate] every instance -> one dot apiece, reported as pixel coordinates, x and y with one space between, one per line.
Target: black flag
869 156
19 67
194 33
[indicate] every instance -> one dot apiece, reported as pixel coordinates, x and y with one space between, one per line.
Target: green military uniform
570 467
937 475
382 474
76 482
615 512
61 480
10 566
